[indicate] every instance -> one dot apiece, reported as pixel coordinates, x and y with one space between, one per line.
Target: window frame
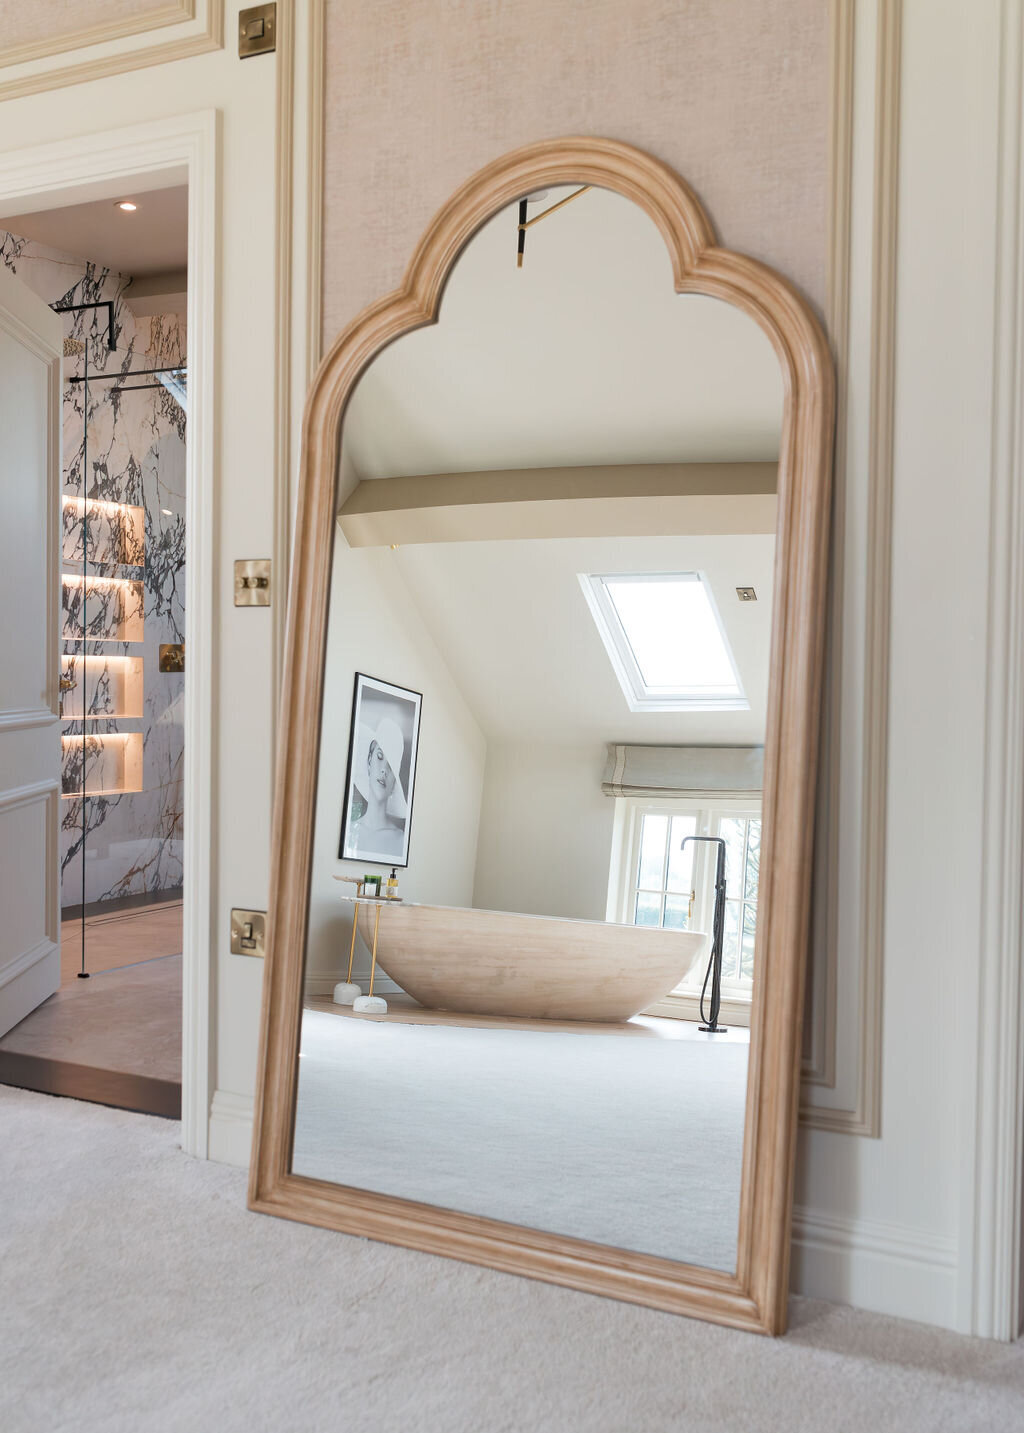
639 696
683 1003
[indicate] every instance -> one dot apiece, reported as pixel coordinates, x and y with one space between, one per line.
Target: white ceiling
514 628
152 240
586 355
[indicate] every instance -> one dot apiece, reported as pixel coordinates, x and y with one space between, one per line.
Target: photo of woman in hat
381 771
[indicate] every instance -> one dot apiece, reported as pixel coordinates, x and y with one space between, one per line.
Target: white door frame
71 171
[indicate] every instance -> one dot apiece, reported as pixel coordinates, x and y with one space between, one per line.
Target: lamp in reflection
525 223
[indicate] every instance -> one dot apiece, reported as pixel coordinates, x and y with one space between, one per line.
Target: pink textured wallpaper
50 22
420 93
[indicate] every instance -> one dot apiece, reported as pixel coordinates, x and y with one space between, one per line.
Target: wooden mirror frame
755 1297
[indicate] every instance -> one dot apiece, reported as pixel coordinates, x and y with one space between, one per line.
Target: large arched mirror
546 770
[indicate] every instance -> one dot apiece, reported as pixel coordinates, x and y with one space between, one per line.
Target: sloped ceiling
519 639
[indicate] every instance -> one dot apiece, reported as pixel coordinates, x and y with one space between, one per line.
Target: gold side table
346 992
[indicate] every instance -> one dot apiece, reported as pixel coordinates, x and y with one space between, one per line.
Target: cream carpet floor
140 1296
544 1128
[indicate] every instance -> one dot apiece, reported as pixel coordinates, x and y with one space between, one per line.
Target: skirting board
230 1139
888 1268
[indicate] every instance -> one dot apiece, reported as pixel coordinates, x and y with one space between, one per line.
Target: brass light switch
257 31
248 932
252 582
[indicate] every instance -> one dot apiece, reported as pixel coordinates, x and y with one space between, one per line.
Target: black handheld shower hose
714 970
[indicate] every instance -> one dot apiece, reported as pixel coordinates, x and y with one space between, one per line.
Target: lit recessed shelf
114 608
117 531
112 763
111 684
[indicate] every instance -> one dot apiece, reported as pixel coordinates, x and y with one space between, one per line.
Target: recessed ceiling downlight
127 205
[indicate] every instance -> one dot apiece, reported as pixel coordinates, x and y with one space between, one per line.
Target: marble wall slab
120 447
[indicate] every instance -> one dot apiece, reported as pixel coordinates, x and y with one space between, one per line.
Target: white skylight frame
641 697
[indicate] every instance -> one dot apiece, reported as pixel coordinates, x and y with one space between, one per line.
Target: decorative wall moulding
992 1218
857 1105
165 30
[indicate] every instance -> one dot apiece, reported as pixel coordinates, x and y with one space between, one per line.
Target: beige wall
732 93
374 628
545 831
47 25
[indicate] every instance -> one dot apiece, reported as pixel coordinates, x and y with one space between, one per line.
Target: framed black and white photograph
381 773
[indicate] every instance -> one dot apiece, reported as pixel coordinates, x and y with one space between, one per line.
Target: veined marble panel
124 450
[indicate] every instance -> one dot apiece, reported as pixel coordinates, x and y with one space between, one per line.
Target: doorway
118 276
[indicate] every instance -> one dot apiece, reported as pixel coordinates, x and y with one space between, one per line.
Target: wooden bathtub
503 963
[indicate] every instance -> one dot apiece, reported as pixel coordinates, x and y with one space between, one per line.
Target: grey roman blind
683 771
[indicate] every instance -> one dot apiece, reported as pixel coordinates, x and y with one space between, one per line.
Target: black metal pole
108 304
83 974
132 373
714 970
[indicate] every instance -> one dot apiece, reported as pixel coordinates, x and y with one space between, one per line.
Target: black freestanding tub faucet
714 970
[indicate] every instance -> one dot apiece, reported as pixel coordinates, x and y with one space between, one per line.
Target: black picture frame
384 734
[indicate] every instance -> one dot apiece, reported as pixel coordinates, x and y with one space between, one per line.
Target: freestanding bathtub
502 963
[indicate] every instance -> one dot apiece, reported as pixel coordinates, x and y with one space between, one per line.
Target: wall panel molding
46 712
991 1226
173 31
820 1015
315 190
858 1110
169 13
284 192
299 190
46 793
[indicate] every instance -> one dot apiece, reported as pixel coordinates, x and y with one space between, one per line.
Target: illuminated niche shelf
103 604
117 532
119 600
112 764
112 686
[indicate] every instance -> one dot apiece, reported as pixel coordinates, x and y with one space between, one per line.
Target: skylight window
665 641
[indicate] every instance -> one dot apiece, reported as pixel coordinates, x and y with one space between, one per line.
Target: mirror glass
538 811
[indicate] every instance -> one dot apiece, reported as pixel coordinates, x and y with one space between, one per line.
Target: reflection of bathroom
113 1030
556 531
536 789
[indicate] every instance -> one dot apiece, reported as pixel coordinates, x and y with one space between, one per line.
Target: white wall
881 1221
545 831
374 628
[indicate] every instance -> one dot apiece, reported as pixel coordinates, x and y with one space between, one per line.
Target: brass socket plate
252 582
248 932
257 30
172 656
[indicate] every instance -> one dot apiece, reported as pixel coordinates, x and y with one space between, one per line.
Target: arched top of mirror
579 357
697 265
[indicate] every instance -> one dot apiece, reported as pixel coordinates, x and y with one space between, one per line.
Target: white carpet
636 1143
139 1296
